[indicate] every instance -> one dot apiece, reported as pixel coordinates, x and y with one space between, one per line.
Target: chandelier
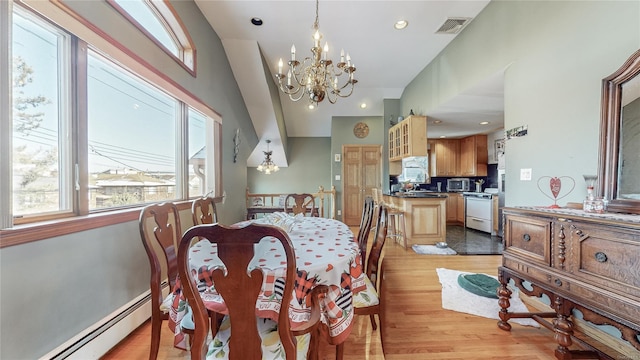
316 76
267 165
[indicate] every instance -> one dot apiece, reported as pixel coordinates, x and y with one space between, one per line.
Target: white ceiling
386 60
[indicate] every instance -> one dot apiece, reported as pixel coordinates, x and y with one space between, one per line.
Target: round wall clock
361 130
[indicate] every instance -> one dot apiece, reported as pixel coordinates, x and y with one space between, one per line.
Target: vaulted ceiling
386 60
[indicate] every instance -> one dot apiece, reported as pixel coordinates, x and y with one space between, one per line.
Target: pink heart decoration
555 184
555 191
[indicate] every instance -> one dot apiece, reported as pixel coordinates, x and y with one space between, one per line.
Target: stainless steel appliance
479 211
458 184
501 178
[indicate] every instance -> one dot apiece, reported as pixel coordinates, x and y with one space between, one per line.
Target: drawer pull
558 282
601 257
526 237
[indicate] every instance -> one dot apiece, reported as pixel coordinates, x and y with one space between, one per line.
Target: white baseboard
97 340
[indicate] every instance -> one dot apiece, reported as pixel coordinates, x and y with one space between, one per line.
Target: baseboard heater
97 340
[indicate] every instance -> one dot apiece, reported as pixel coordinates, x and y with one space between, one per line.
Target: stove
479 210
484 195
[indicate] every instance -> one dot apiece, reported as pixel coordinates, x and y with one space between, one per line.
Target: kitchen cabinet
473 156
408 138
394 143
455 208
444 157
425 218
460 209
459 157
585 262
452 207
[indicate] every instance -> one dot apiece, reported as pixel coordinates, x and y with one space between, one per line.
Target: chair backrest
160 232
238 287
204 211
373 261
377 195
365 226
384 309
299 204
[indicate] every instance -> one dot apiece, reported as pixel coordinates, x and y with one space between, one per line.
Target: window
157 20
197 153
125 138
40 151
141 12
131 137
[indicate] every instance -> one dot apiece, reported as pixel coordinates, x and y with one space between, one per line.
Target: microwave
458 184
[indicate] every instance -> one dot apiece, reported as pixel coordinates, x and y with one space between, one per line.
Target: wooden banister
270 202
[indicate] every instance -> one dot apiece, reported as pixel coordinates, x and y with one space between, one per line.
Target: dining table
326 254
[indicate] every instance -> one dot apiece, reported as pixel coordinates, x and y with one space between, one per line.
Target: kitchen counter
425 216
419 194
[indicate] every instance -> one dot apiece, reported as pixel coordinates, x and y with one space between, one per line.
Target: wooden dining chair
242 335
160 232
367 301
204 211
299 204
383 293
365 226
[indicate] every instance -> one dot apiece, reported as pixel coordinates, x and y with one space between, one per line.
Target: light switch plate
525 174
337 177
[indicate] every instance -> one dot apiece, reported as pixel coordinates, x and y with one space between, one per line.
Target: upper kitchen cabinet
394 143
473 156
408 138
444 157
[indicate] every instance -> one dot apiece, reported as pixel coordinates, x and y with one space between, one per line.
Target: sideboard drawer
607 257
529 237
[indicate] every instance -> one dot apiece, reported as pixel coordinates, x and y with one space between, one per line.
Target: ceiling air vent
453 25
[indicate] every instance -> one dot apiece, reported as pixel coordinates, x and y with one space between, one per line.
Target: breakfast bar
425 216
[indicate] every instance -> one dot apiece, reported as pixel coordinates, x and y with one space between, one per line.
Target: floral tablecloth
326 253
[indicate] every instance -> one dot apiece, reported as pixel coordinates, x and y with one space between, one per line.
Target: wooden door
361 172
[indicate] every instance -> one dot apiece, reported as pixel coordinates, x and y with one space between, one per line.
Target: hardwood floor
418 328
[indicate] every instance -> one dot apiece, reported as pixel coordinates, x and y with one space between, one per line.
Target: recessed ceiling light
311 106
363 106
485 123
443 136
437 121
400 24
256 21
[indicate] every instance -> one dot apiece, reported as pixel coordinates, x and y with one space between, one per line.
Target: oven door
479 213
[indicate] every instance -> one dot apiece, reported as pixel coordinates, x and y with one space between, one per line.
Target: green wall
554 55
309 168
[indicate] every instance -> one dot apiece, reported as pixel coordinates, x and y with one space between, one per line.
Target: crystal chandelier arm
316 76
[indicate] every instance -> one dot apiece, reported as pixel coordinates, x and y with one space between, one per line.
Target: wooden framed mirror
619 161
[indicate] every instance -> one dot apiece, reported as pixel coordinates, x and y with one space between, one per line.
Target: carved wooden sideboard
587 262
